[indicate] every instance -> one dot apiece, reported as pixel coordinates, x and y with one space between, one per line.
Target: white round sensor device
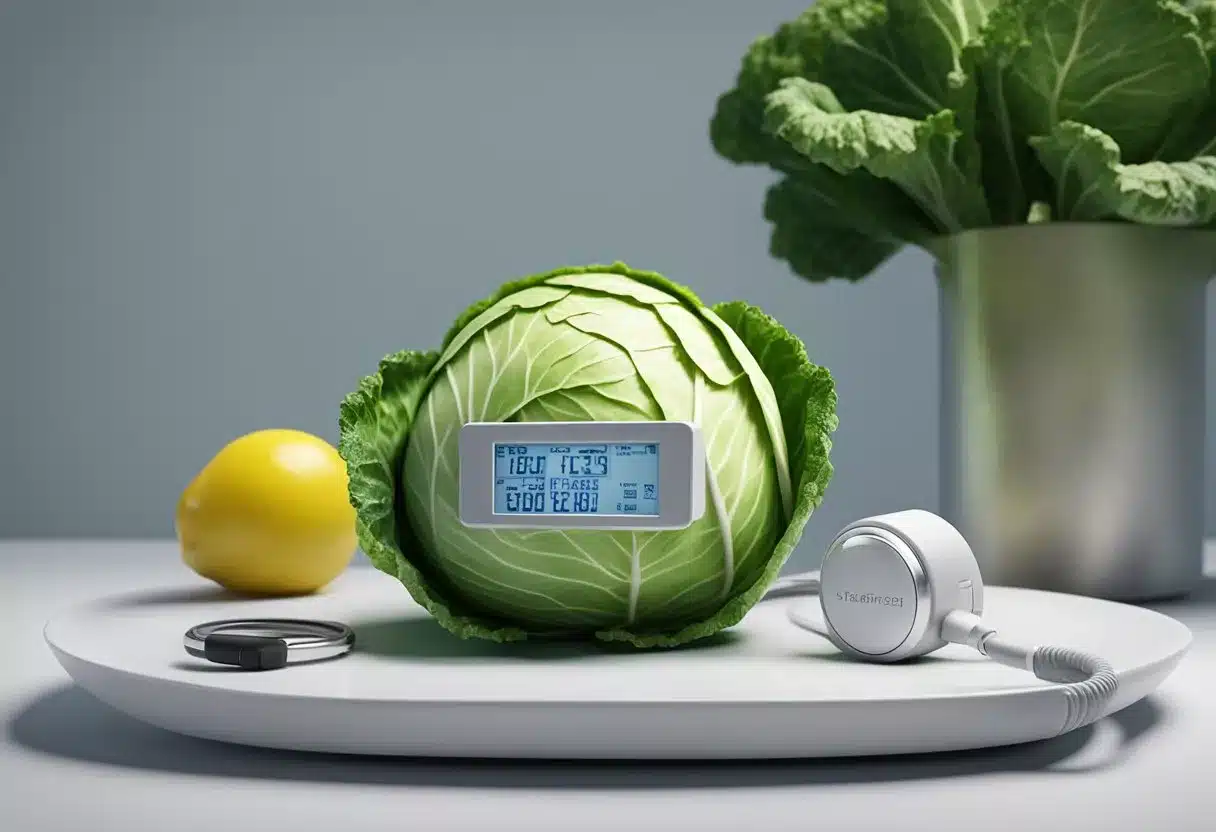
898 586
891 580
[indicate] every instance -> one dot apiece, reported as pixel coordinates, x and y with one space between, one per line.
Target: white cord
801 583
1087 681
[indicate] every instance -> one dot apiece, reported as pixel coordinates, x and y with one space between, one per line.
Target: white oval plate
764 690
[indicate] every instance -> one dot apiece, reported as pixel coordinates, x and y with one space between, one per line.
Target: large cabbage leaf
798 207
1193 134
1012 178
920 156
1093 183
648 589
1124 67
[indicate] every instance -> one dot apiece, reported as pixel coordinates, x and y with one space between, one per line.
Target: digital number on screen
541 478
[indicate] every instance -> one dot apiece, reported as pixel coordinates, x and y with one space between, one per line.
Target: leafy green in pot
956 114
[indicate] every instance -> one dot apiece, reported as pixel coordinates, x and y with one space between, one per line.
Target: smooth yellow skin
269 515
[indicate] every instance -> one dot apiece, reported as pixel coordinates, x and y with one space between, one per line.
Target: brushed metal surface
1073 405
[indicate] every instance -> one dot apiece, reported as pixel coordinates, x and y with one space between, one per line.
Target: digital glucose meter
582 475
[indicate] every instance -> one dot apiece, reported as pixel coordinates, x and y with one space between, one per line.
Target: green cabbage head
597 343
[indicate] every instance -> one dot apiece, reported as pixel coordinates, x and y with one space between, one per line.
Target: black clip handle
246 652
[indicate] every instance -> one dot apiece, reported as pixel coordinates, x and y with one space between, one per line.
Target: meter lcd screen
636 476
535 478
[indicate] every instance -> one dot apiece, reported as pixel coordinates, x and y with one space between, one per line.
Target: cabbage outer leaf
807 400
807 236
1194 133
376 421
921 157
1093 184
826 225
1125 67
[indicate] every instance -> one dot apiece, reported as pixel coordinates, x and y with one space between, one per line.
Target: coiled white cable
1088 682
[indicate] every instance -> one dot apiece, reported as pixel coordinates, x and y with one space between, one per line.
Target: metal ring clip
268 643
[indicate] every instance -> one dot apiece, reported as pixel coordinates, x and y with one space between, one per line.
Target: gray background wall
215 217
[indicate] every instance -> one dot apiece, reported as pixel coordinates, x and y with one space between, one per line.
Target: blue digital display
540 478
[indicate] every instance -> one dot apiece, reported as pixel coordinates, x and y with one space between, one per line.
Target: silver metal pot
1073 404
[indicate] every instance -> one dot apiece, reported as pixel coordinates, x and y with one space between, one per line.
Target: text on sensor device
899 586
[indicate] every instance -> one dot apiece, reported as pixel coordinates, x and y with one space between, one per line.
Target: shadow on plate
421 638
830 654
179 595
69 723
203 592
204 666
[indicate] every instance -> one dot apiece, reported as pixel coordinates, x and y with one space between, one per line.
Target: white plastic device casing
888 582
681 472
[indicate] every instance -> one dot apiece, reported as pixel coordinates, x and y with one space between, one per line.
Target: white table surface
69 762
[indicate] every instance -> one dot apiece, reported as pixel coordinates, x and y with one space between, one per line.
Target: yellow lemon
269 515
